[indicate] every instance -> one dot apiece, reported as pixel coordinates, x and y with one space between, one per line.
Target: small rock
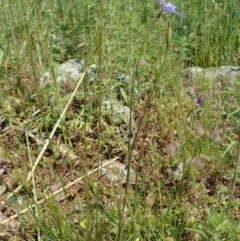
179 171
223 73
3 189
229 72
2 171
116 112
216 134
71 70
117 172
192 72
64 150
199 129
198 163
172 148
92 69
122 77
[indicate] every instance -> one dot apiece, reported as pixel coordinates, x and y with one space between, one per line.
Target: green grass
185 193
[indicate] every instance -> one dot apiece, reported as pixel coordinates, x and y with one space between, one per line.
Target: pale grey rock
232 72
172 147
73 69
223 73
70 70
122 77
116 111
117 172
3 189
2 171
92 68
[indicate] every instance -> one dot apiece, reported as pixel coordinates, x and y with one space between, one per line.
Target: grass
182 159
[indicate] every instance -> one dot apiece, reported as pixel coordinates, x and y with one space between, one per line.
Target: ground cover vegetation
173 170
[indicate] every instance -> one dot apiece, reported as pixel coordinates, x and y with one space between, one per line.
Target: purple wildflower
199 101
170 8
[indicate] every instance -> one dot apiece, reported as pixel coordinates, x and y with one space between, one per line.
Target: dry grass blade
58 191
33 182
49 139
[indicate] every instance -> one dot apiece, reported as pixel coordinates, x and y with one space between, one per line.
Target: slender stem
147 106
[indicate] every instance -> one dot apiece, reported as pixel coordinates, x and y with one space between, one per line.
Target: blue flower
199 101
170 8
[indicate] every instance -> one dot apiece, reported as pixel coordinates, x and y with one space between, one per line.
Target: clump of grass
182 190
